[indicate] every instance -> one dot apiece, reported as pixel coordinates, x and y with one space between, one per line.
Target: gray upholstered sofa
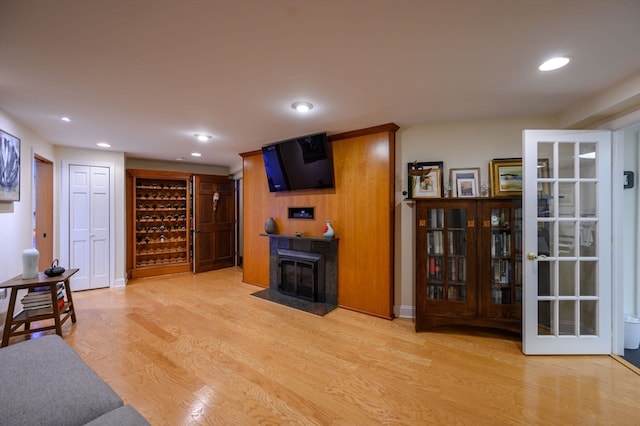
43 381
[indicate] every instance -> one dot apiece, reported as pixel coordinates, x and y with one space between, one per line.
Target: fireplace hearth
303 273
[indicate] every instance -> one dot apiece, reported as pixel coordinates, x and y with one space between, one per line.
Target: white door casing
567 242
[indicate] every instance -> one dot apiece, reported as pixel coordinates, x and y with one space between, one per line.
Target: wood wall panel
360 208
256 208
364 209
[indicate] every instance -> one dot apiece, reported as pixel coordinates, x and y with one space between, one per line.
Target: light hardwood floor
199 349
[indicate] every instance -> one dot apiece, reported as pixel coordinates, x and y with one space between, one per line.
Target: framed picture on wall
9 167
418 168
428 185
506 177
464 182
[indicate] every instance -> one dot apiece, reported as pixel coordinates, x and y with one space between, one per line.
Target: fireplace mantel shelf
295 237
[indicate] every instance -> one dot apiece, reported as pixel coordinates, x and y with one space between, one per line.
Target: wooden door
44 211
214 223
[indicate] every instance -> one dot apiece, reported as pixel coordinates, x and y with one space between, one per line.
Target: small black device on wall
301 212
628 179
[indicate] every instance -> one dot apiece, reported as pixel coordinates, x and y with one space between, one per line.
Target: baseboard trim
120 282
405 311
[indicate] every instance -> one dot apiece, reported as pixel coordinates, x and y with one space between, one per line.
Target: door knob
533 256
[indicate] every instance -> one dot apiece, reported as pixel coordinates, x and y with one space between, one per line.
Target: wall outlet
3 293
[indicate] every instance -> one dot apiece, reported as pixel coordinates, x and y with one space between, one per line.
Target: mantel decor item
327 230
464 182
270 226
9 167
30 258
506 177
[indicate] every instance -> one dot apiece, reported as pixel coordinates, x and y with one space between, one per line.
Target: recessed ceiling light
65 119
554 63
202 137
103 145
302 106
179 158
196 154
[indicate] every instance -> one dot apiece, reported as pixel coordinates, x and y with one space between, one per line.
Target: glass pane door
501 257
567 241
457 254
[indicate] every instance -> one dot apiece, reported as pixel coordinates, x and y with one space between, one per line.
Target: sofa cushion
122 416
44 381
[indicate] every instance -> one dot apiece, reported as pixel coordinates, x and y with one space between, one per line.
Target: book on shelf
44 310
41 296
45 297
45 287
41 302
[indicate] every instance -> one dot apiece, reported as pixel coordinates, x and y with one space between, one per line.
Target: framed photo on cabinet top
418 169
428 185
506 177
9 167
464 182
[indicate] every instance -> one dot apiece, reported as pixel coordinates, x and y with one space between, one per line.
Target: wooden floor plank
191 349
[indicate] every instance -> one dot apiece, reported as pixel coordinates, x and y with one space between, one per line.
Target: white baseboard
120 282
405 311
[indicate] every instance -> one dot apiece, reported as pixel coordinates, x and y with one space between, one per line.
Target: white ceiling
145 75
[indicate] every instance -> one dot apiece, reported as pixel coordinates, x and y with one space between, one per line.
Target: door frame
618 127
44 184
64 214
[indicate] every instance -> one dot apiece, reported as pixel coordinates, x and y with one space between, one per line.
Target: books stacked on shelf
38 301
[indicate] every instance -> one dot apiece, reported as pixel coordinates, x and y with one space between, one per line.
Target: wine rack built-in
469 262
159 239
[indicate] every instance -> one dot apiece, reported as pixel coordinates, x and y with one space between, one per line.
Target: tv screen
300 163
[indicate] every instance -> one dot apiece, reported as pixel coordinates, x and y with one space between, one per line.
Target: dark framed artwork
9 167
420 169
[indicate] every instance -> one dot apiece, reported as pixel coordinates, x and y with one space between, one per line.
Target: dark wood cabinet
469 262
158 222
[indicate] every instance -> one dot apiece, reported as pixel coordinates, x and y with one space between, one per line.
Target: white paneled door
89 233
567 243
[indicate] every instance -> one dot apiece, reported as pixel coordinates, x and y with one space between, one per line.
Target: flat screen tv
300 163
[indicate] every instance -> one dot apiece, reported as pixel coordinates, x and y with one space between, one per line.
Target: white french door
567 242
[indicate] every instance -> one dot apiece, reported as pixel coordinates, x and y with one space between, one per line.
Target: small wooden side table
59 315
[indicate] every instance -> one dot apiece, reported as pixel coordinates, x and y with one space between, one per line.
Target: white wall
16 228
631 218
459 145
175 166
